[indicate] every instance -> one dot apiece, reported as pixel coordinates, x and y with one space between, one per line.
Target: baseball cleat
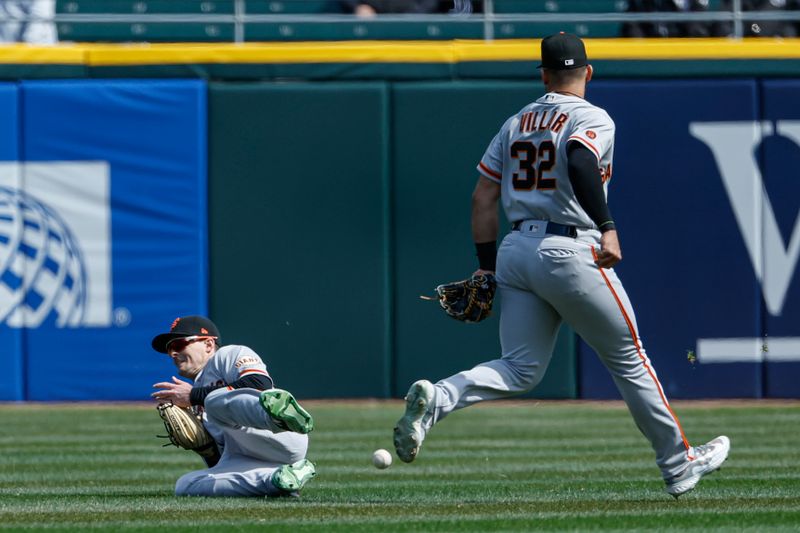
284 410
292 478
707 458
408 433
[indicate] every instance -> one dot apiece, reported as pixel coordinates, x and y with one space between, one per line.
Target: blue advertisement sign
779 163
684 196
12 387
112 246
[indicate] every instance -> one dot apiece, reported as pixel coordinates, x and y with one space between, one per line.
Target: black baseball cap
185 326
563 51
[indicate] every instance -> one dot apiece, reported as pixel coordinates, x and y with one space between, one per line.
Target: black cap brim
187 326
563 68
160 342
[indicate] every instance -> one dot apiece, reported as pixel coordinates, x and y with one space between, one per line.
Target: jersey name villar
528 158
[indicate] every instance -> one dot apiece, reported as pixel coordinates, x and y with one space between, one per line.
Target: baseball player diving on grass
252 436
549 166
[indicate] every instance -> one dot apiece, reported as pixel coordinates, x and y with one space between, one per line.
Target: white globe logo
42 272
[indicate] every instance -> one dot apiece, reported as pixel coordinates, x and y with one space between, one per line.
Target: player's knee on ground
251 483
190 484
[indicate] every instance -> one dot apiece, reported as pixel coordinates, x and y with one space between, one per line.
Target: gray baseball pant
253 448
543 280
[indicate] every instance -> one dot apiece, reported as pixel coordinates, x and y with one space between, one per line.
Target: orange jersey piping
587 144
490 172
254 371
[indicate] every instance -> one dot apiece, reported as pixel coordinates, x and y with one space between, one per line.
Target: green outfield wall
333 207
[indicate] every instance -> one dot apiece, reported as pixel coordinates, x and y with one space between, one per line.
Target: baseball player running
550 166
259 430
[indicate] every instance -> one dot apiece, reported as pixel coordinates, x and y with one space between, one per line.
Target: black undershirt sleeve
252 381
584 175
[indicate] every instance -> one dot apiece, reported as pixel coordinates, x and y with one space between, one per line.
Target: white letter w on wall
733 145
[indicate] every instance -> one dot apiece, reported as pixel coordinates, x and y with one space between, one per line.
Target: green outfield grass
528 466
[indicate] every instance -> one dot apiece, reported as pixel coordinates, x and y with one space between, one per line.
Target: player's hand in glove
469 300
185 430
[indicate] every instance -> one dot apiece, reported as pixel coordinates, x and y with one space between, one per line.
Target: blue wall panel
685 265
780 162
117 171
11 340
9 122
111 177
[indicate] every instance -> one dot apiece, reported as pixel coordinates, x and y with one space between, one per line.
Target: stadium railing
323 20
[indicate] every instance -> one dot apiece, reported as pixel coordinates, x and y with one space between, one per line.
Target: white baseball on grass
381 459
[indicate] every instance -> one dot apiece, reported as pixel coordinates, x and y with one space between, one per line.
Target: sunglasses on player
180 344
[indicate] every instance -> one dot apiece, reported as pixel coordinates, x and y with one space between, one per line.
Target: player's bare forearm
175 391
484 210
485 223
610 252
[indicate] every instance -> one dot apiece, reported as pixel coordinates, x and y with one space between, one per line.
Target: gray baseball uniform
252 446
544 279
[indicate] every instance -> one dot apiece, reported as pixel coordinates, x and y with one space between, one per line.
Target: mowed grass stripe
500 466
461 518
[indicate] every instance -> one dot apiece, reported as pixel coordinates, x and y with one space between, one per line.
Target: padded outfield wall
338 192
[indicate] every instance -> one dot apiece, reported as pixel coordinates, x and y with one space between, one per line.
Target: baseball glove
469 300
185 430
